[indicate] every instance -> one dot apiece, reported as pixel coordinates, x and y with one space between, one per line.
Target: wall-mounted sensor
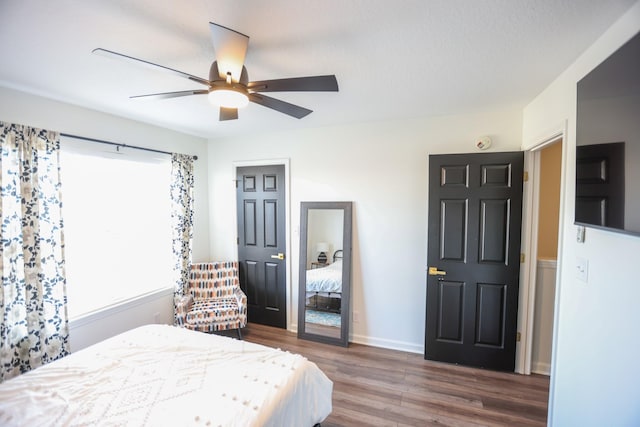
483 143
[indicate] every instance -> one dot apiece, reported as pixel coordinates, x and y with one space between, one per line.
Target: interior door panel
475 210
261 242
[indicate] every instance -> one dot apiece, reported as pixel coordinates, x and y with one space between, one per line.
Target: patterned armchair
213 300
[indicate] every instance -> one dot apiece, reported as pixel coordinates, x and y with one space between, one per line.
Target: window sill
110 310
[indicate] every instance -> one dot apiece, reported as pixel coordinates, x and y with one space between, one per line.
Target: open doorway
542 225
550 172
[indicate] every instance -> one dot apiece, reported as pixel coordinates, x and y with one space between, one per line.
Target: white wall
22 108
595 373
382 168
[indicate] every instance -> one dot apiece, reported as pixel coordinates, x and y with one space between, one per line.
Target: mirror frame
345 303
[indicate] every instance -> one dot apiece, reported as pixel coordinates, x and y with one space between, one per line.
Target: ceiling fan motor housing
214 74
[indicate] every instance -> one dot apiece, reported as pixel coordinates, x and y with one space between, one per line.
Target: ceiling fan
228 85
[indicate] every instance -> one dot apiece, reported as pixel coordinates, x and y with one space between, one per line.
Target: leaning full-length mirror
325 272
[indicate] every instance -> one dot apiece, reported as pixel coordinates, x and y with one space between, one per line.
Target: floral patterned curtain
34 326
181 220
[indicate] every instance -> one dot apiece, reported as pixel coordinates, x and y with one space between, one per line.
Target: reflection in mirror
325 271
324 276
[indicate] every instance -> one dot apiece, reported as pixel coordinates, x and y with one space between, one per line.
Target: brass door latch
433 271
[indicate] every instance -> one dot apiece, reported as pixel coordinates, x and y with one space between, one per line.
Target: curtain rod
102 141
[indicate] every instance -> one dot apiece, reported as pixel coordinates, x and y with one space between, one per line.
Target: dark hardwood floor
380 387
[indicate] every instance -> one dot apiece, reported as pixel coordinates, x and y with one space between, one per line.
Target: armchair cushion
223 312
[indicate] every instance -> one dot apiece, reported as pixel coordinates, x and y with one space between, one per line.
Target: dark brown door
261 242
475 210
600 184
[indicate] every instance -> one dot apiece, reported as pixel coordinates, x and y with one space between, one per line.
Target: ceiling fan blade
297 84
230 48
120 56
278 105
167 95
228 114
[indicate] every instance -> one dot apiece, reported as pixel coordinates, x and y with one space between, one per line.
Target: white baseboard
385 343
541 368
378 342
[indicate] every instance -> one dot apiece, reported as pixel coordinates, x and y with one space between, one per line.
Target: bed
160 375
324 286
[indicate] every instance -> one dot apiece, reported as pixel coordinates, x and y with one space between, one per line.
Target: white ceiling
392 59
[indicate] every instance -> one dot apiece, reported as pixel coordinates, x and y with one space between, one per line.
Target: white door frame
530 221
287 197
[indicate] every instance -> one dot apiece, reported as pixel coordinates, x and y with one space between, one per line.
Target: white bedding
325 279
160 375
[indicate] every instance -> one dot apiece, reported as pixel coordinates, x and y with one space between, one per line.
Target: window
116 212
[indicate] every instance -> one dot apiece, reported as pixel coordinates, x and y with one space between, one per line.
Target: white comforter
325 279
161 375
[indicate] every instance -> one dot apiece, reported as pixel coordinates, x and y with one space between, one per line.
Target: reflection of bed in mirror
324 286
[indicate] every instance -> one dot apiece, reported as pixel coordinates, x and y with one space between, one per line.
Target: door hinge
521 258
518 336
237 240
525 176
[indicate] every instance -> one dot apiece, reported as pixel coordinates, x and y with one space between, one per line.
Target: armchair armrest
183 305
242 300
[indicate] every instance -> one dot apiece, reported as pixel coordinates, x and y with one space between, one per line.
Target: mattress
325 279
159 375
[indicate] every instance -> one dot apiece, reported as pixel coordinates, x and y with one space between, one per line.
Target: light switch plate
582 269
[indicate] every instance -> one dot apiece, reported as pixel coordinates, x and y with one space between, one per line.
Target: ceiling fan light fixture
228 98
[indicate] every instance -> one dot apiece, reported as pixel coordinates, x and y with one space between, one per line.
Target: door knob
433 271
279 256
